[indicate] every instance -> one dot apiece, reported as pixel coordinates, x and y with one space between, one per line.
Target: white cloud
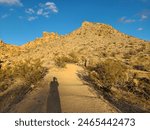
140 29
43 13
129 20
30 11
144 17
125 20
46 14
47 8
32 18
51 6
40 12
4 16
43 9
141 16
11 2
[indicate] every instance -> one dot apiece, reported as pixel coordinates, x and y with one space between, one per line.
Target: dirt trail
71 95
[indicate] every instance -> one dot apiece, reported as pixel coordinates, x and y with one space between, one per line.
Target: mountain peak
98 26
86 23
51 35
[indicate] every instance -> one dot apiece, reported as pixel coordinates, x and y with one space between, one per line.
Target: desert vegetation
18 78
109 73
117 65
61 61
120 85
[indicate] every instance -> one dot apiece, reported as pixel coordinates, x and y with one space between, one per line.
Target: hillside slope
92 40
117 65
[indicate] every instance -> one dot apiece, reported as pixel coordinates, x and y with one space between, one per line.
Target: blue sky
24 20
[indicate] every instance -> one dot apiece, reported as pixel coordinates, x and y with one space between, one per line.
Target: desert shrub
73 58
126 56
5 78
141 89
104 54
141 48
29 70
141 62
129 54
16 80
108 74
62 60
113 54
139 67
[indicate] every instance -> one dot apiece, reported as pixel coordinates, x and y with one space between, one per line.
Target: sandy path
71 96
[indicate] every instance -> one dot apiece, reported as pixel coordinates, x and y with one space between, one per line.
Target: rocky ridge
92 40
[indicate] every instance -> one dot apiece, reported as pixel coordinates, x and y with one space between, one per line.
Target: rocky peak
86 23
92 24
52 35
96 29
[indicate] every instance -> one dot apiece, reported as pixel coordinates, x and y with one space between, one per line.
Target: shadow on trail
53 101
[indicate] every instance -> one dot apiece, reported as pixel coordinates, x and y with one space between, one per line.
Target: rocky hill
106 52
7 50
91 40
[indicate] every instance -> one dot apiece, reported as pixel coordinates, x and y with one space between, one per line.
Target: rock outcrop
51 36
